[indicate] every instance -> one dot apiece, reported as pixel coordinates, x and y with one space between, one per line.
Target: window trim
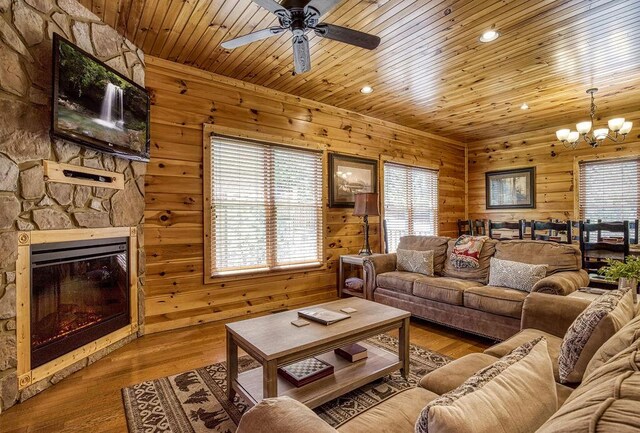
427 165
261 138
610 156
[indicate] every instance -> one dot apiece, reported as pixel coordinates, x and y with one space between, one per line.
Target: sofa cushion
284 415
479 274
559 257
488 401
466 251
515 275
614 345
442 289
398 281
425 243
496 300
607 401
395 415
553 346
604 317
420 262
563 392
455 373
452 375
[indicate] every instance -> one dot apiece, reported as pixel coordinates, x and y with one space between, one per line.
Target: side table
353 260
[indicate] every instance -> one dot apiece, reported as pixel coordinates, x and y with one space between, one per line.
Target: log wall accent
183 99
555 165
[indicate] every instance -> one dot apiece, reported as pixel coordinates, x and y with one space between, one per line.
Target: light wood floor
89 400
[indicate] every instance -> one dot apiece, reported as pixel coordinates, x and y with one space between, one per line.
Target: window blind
609 190
266 206
410 202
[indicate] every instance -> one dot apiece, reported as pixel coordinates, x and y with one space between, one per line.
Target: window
410 202
266 206
609 190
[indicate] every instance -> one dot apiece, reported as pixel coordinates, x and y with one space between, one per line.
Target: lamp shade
563 134
366 204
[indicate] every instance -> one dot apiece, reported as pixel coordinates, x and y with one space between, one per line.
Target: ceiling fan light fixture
489 36
366 90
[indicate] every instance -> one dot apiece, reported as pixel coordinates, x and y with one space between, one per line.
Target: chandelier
619 126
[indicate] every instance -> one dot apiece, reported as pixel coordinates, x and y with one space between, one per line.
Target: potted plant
625 273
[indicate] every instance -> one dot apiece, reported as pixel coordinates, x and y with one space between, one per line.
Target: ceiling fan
300 17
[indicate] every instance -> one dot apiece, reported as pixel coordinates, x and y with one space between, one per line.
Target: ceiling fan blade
322 6
301 56
251 37
348 36
272 6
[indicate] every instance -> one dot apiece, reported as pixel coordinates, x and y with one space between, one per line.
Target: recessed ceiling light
489 36
524 106
366 90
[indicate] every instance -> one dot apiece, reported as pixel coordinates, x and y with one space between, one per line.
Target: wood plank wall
554 165
185 98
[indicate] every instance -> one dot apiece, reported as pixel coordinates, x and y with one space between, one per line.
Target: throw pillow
498 398
415 261
515 275
466 251
605 316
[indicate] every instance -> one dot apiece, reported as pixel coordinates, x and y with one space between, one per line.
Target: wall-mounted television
95 106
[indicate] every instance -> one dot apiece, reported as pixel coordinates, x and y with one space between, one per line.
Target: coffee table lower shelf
347 376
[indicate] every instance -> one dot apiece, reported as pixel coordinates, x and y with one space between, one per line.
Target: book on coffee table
352 352
306 371
322 315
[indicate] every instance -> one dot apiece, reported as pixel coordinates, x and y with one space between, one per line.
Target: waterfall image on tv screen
96 104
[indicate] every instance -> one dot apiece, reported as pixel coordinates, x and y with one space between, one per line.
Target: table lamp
366 204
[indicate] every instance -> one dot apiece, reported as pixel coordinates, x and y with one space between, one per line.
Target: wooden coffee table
273 341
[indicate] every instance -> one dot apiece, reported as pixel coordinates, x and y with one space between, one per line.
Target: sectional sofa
603 398
461 298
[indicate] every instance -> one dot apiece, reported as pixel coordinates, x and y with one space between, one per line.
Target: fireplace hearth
79 293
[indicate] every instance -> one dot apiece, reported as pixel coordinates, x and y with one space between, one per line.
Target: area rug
195 401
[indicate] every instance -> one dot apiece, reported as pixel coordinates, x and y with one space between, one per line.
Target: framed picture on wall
348 176
511 189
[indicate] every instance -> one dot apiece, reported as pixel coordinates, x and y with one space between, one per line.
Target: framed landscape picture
511 189
348 176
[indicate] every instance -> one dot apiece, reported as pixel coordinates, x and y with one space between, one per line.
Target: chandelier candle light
366 204
619 126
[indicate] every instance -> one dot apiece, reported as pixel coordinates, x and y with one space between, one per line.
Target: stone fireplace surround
27 202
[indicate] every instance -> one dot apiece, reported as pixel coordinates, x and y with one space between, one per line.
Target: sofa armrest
376 265
551 313
282 415
562 283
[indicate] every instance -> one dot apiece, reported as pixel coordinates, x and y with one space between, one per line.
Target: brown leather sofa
461 298
607 400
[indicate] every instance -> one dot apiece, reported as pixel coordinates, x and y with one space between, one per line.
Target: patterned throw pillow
466 251
581 330
415 261
515 275
496 394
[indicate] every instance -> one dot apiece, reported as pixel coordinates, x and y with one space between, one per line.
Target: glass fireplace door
79 293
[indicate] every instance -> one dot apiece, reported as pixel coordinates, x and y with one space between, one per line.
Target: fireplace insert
79 293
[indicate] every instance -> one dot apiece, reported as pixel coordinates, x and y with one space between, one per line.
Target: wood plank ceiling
430 72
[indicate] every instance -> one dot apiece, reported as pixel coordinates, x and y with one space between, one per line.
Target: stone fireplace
76 294
33 205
